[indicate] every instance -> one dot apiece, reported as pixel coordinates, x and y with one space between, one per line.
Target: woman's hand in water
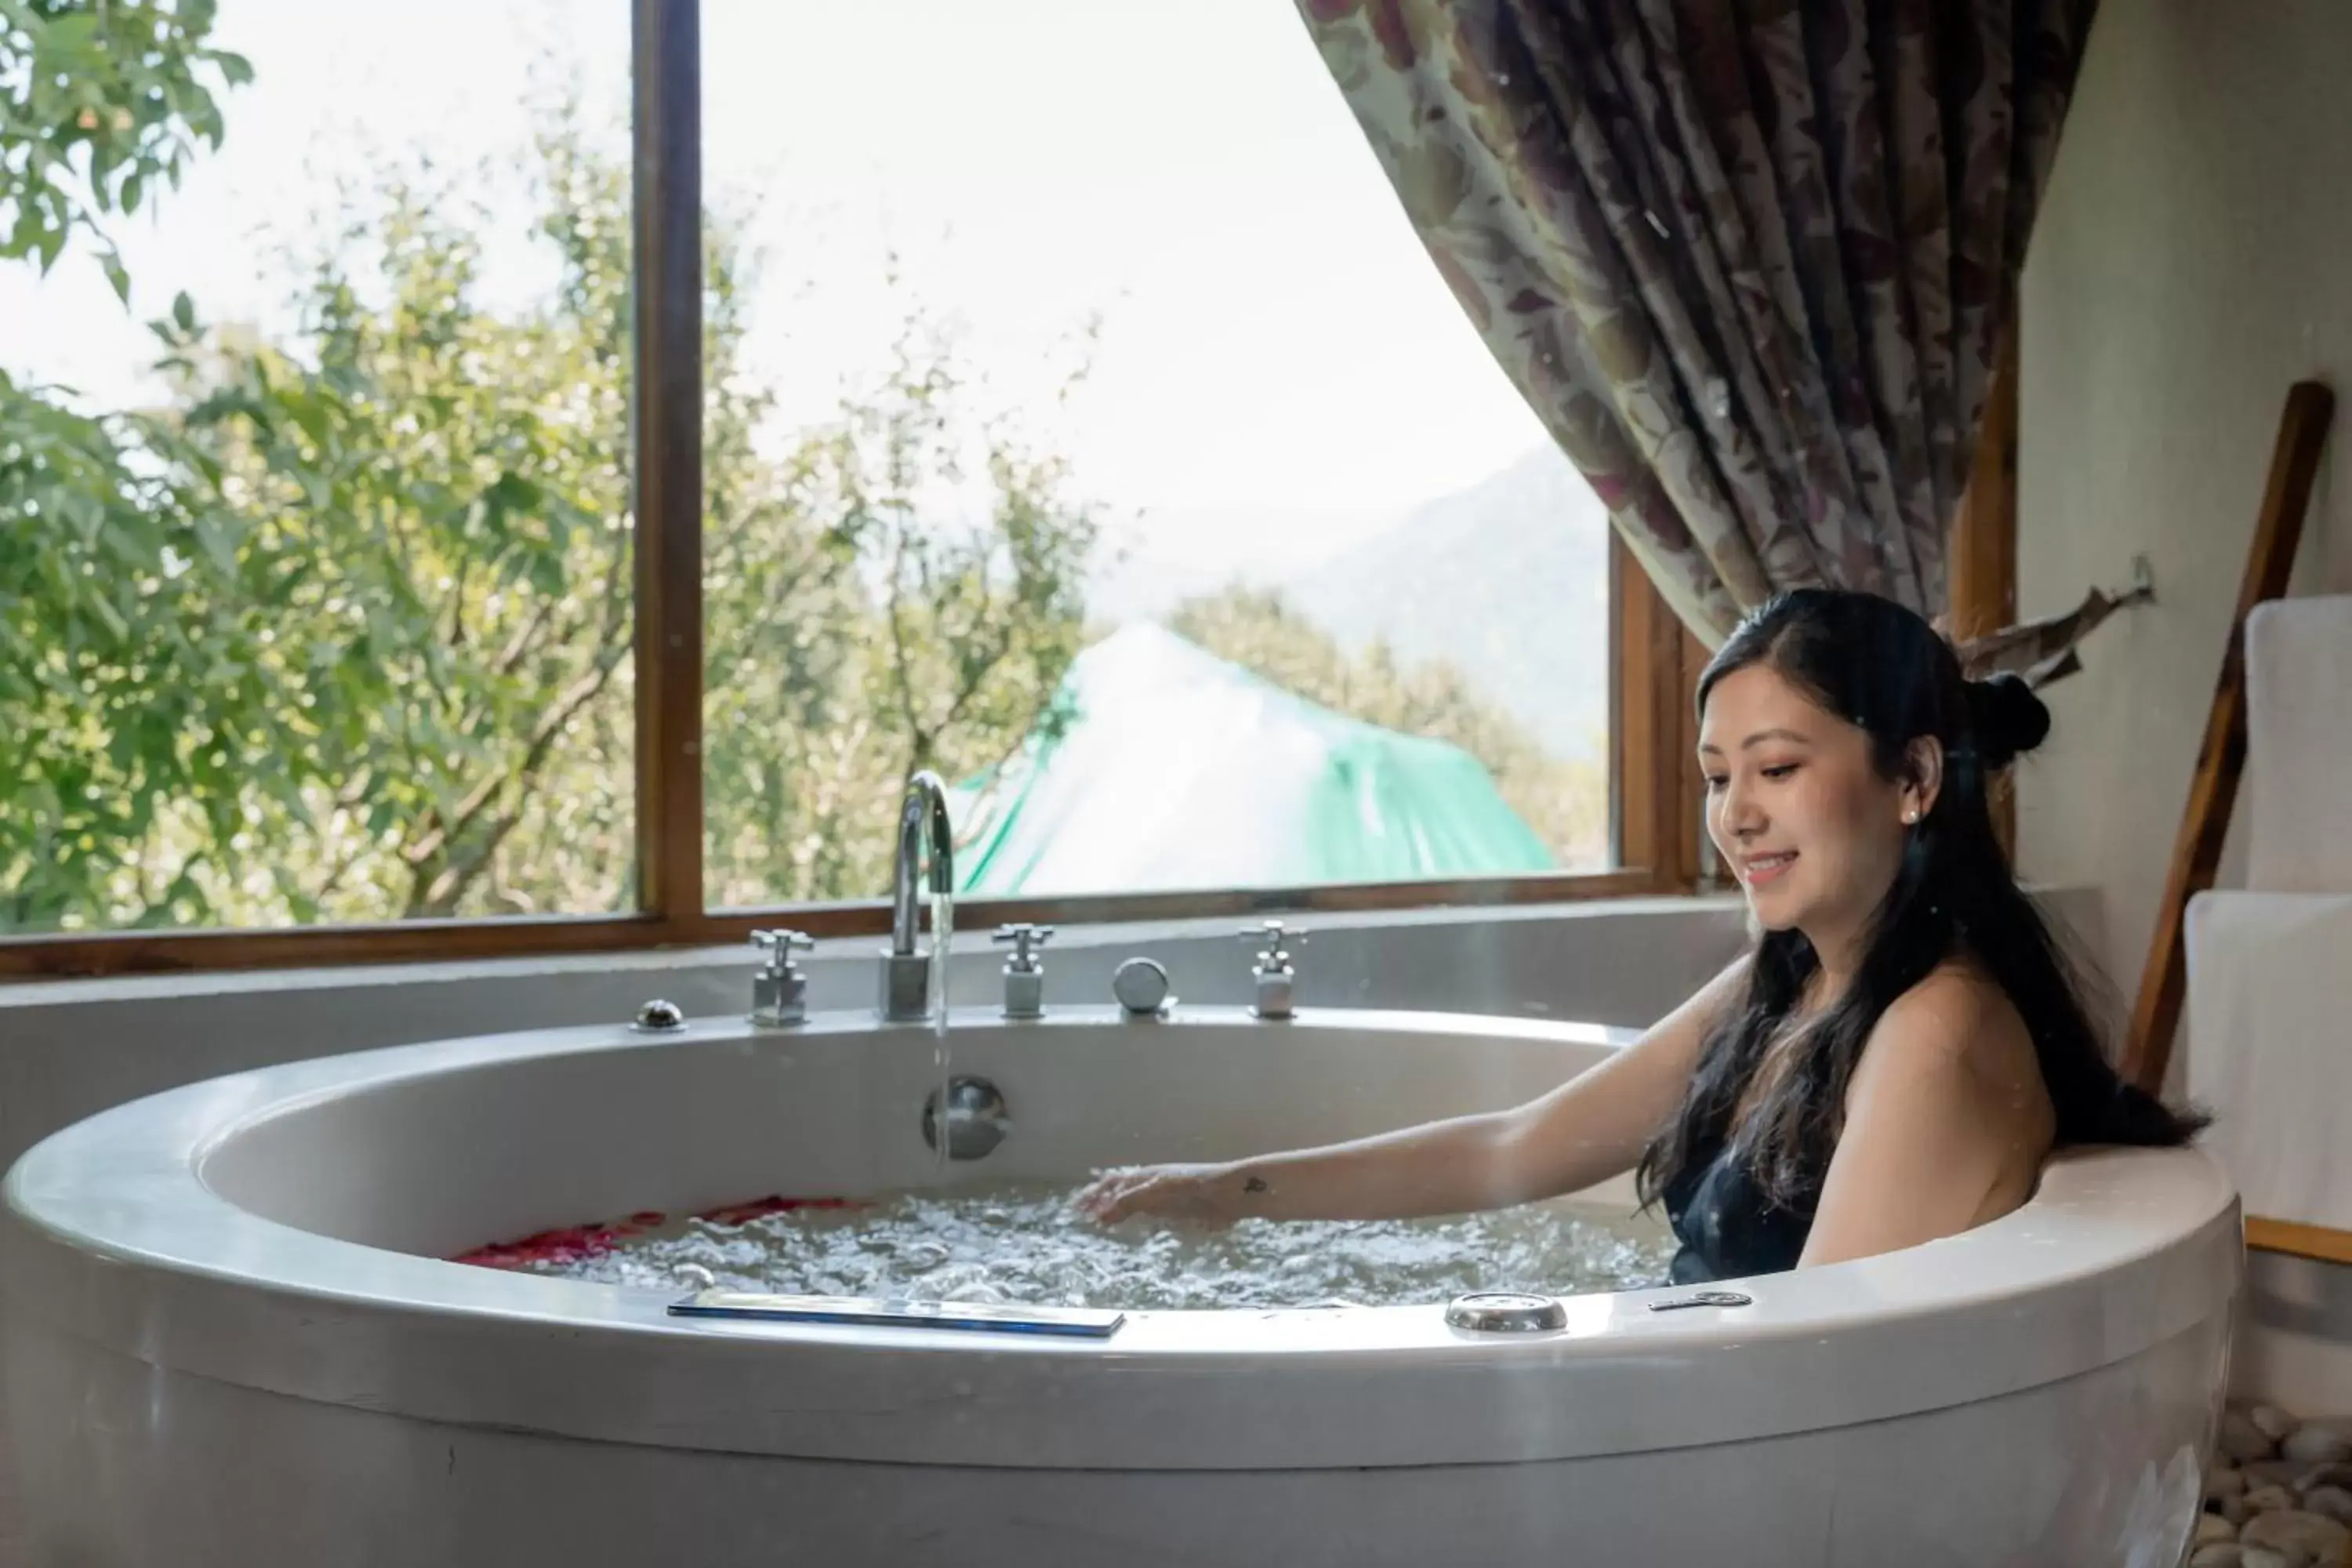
1187 1195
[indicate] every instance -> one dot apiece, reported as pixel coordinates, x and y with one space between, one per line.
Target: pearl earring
1912 815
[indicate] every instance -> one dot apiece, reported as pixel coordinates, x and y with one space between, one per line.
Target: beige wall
2193 258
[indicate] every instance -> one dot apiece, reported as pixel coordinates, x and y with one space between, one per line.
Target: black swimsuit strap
1729 1228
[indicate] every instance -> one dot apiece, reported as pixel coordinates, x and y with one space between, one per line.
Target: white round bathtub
229 1338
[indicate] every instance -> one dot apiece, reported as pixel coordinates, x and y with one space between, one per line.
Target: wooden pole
2213 788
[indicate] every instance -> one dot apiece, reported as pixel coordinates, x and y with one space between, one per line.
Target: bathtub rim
2120 1250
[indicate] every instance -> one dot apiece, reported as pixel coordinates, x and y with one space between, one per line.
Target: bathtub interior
439 1161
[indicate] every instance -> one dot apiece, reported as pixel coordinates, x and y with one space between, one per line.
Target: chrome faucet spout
922 828
923 813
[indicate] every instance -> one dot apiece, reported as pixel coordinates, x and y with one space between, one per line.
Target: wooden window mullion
666 185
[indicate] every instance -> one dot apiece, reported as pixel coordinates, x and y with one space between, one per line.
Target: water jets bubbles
1026 1245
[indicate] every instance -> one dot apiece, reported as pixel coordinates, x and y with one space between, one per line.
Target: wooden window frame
1980 574
1653 787
1656 792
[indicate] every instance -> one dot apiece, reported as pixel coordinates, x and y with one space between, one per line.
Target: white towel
2270 1047
2299 746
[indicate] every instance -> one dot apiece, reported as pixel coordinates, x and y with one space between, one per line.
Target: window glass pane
1106 442
314 543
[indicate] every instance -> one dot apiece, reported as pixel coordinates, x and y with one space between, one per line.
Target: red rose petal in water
744 1213
568 1244
578 1243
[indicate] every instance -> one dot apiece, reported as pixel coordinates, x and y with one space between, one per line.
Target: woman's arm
1946 1124
1589 1129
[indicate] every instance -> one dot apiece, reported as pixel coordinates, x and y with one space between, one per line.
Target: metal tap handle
1278 940
1025 940
780 945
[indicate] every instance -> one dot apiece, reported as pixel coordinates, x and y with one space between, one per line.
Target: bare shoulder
1957 1022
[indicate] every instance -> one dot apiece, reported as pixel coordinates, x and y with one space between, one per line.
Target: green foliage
101 101
1565 801
851 637
438 495
135 714
137 717
344 633
401 547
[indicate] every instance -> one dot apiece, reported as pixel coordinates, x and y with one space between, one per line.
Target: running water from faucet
915 985
943 929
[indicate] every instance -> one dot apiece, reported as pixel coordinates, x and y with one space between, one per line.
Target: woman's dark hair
1883 668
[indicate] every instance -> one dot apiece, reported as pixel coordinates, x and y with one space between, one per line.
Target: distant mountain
1146 565
1508 580
1142 586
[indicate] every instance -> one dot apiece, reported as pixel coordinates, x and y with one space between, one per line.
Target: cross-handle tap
1024 972
780 990
1276 980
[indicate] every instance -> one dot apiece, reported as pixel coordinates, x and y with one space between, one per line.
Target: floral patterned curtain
1748 259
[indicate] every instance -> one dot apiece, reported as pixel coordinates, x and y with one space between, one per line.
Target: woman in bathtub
1890 1062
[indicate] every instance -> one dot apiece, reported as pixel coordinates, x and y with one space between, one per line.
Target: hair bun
2007 717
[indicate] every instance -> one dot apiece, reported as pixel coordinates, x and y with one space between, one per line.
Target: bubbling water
1027 1247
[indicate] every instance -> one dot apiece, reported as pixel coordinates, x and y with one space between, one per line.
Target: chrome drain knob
659 1017
1505 1313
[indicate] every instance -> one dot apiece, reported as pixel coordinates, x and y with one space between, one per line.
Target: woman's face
1797 810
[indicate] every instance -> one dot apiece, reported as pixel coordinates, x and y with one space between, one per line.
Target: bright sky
1280 370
